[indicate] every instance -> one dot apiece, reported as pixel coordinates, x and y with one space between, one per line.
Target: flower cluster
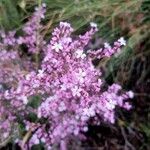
69 87
32 38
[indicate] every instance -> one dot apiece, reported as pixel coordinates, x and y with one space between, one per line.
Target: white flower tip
85 129
122 41
131 94
93 24
66 24
39 115
36 8
57 47
43 140
44 5
107 45
5 135
24 99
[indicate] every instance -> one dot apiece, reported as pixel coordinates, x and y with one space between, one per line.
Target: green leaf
34 101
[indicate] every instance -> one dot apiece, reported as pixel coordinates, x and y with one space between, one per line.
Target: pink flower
111 104
80 54
81 75
24 99
57 47
76 91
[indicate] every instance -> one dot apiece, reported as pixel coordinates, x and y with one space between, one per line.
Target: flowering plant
69 89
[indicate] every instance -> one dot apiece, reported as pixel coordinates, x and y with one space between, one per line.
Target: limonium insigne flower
70 87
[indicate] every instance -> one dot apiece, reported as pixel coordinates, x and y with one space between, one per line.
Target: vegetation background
115 18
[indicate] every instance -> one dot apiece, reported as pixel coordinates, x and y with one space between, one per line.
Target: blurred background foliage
115 18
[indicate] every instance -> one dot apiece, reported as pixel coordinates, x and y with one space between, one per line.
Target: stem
26 138
37 61
37 42
39 2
